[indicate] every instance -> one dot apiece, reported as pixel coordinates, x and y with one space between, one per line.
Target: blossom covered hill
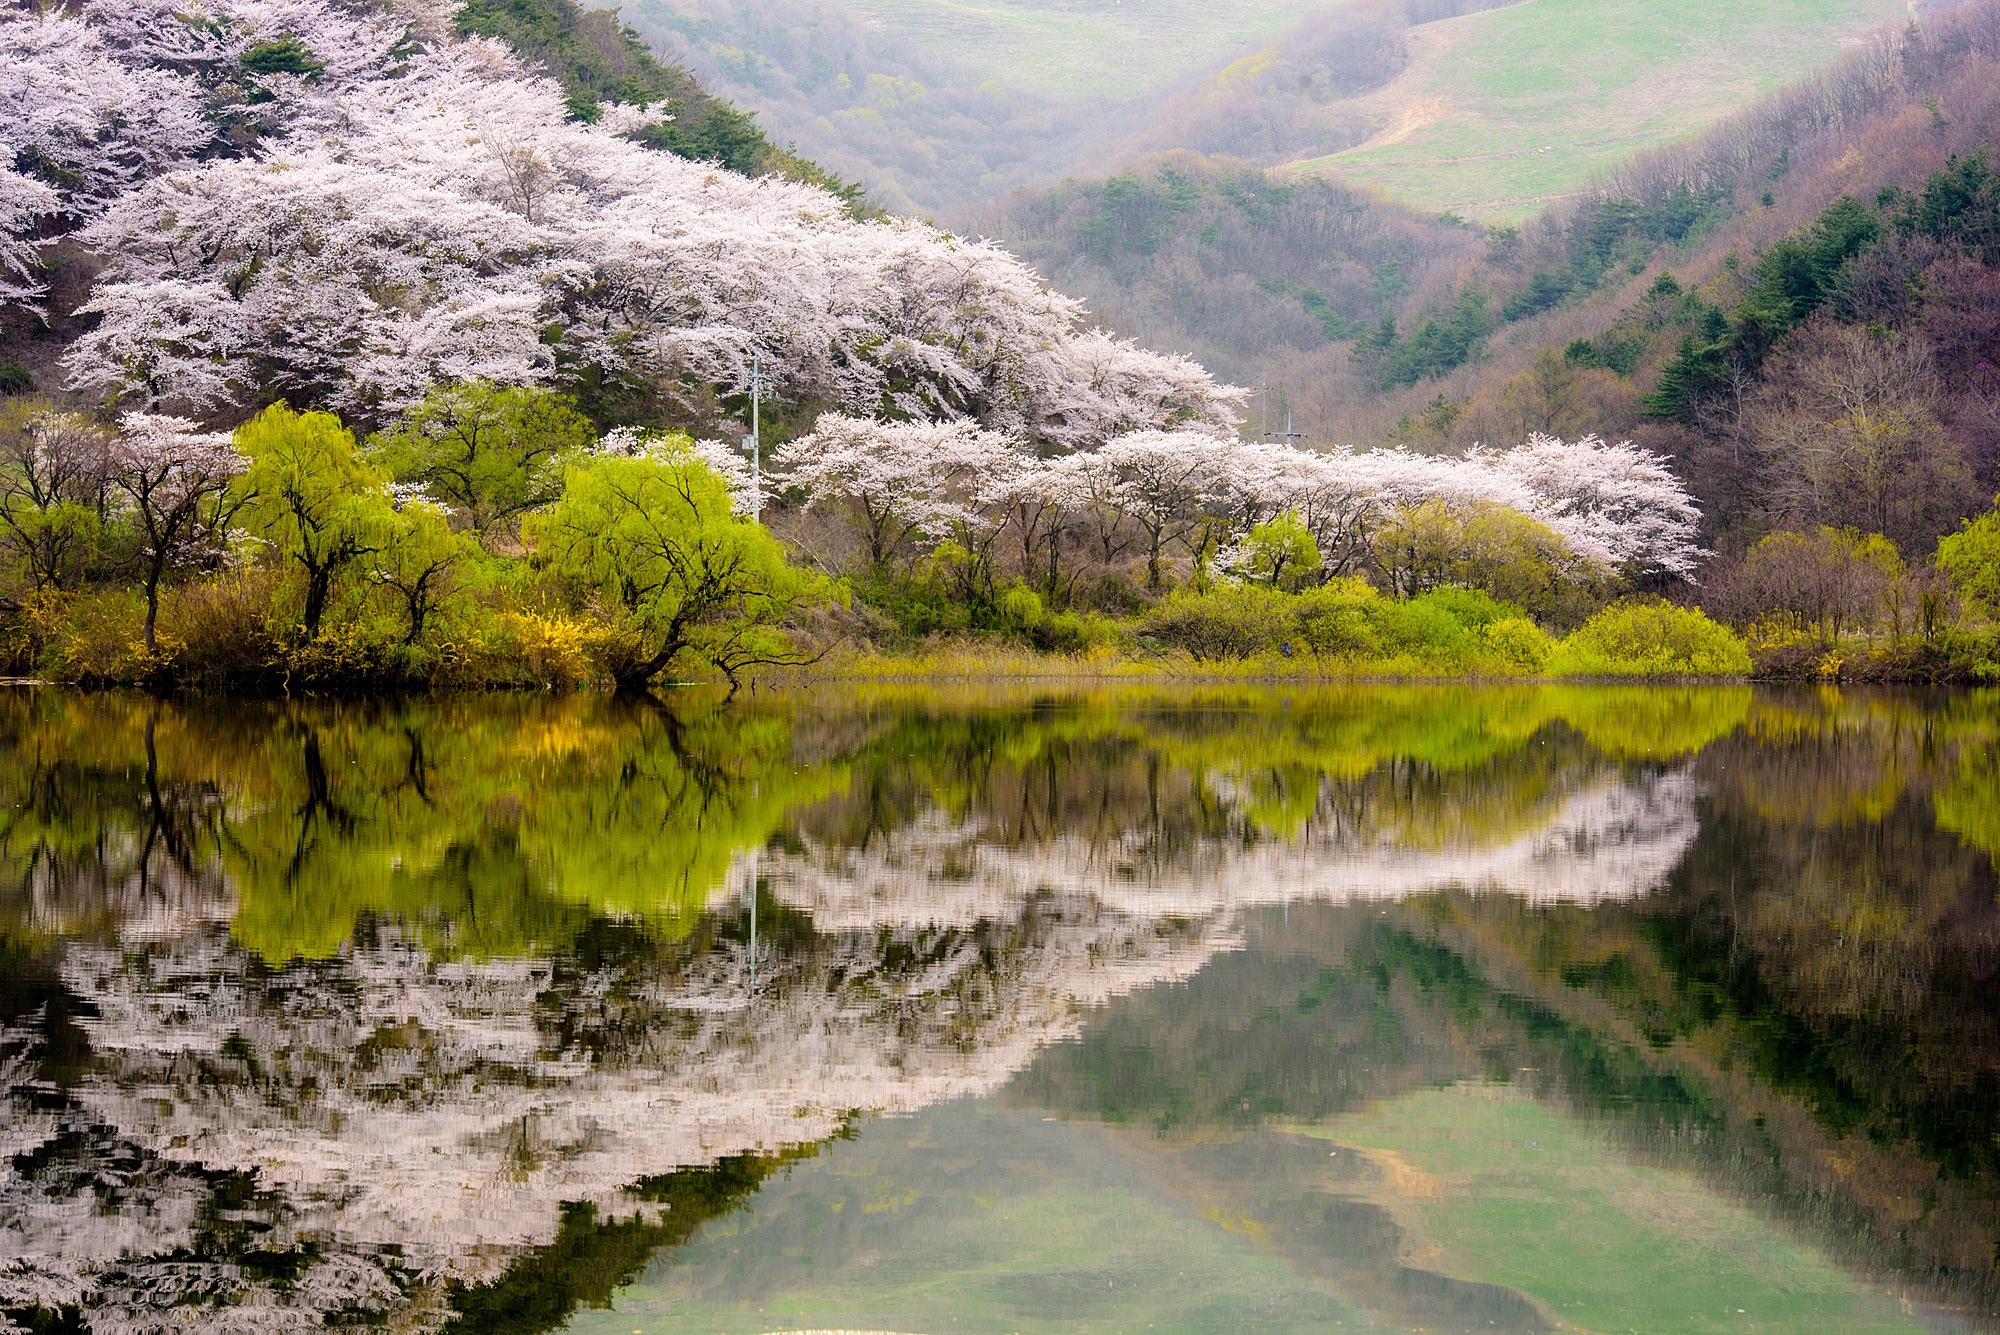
344 207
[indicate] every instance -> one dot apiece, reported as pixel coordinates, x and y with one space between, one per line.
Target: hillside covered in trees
1860 198
1491 108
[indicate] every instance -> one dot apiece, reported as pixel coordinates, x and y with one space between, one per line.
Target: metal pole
756 463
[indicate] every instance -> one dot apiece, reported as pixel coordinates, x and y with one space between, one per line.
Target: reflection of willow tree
491 825
94 832
503 829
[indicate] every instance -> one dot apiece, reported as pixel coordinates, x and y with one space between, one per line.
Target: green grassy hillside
1502 113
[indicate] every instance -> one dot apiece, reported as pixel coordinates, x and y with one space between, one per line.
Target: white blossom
440 224
905 480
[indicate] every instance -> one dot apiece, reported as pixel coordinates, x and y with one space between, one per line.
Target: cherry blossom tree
24 201
173 473
1618 504
438 225
83 122
905 481
1167 484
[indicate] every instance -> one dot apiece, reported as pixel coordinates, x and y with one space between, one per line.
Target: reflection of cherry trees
388 1036
444 1113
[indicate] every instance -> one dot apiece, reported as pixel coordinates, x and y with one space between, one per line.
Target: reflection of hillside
375 1005
1805 1009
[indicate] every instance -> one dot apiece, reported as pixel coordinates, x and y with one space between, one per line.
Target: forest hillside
1483 107
1670 304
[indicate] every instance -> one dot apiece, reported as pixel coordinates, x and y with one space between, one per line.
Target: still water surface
1373 1009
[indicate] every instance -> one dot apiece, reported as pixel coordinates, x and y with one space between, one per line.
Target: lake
1371 1008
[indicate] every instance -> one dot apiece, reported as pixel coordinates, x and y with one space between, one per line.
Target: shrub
1475 609
1640 638
1519 643
1442 627
1073 632
1819 580
1486 547
1112 594
33 625
97 642
218 630
1228 621
1333 620
1021 608
1971 559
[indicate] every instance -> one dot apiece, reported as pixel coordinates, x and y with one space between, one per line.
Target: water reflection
463 1014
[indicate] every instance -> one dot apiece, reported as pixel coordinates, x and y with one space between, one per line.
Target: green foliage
286 55
420 562
1132 213
1021 608
1281 552
1334 619
1501 551
16 379
1959 206
1520 643
1643 638
310 494
1794 278
1228 621
654 541
1971 558
1438 344
487 452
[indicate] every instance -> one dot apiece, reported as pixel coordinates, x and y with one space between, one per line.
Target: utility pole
756 462
1287 435
1264 407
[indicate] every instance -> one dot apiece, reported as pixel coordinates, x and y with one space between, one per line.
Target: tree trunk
636 678
319 583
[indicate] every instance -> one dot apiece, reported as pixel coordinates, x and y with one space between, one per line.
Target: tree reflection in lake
461 1014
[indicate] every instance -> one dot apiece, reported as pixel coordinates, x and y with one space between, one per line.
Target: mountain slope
1700 304
1501 113
596 59
1483 107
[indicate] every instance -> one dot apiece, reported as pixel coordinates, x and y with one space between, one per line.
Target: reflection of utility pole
750 901
756 857
756 463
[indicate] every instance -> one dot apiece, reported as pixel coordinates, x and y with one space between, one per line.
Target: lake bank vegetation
494 537
372 358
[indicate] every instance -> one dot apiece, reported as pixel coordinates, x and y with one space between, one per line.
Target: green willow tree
309 493
485 451
654 541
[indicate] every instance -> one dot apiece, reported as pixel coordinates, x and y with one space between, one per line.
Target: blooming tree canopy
170 471
1616 508
394 207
